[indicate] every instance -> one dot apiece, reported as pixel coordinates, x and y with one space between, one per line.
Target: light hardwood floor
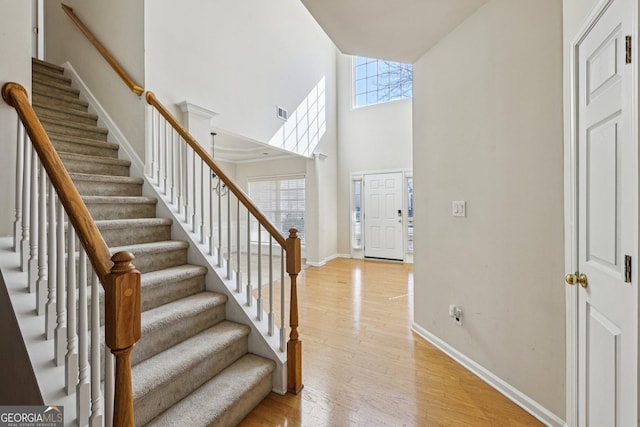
362 365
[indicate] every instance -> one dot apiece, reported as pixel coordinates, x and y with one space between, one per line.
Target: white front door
383 216
607 228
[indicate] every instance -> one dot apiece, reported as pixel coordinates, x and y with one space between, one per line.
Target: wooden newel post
294 346
122 330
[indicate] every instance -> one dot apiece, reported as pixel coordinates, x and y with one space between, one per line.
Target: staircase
191 367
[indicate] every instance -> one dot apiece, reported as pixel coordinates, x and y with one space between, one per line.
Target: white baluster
32 266
26 188
17 223
260 307
185 170
41 284
83 389
61 330
219 191
202 202
158 149
249 288
96 395
52 261
228 233
165 142
271 317
283 328
194 198
173 167
179 175
109 385
212 243
238 275
71 359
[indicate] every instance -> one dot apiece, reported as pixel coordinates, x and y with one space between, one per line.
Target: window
356 214
378 80
409 214
282 201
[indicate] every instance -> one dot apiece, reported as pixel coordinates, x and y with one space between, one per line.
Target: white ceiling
397 30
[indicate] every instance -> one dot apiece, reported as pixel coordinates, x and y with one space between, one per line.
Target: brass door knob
573 279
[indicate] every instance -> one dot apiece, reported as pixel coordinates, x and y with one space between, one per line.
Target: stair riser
138 234
63 115
47 73
47 67
94 168
102 211
68 130
97 188
53 91
155 296
154 403
155 341
87 150
154 261
234 415
63 102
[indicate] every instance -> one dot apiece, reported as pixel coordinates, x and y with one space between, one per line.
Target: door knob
573 279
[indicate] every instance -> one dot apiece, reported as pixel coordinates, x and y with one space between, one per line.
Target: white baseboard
326 260
515 395
115 134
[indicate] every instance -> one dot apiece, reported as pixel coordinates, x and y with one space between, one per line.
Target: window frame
358 80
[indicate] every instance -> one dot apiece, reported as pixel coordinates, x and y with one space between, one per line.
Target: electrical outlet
455 313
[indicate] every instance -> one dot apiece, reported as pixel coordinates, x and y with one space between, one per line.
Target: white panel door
607 224
382 210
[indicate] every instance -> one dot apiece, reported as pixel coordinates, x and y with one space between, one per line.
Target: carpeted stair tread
64 113
83 146
168 377
39 63
94 159
169 324
105 178
54 87
170 284
119 199
154 256
107 224
152 247
53 99
47 73
120 207
67 127
225 399
122 232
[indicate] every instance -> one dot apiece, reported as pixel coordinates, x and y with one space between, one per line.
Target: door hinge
627 269
628 49
36 30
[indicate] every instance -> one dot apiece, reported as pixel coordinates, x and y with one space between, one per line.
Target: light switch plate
459 208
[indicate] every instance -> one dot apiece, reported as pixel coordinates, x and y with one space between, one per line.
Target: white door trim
571 202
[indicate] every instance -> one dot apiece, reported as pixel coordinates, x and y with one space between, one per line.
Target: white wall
119 27
15 66
373 138
487 117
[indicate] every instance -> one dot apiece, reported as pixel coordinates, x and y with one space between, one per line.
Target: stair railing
128 80
194 183
48 196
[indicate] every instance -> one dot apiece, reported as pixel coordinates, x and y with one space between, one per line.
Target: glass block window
379 80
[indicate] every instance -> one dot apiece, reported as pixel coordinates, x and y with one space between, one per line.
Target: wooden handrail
232 186
118 276
131 84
